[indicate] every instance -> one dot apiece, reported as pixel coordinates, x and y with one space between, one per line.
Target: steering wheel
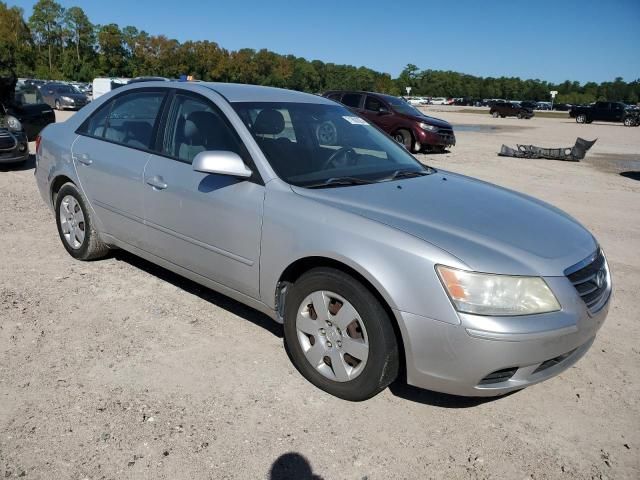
349 154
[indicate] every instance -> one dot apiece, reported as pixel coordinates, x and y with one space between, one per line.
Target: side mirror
221 162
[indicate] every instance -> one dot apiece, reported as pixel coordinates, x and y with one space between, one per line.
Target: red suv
404 123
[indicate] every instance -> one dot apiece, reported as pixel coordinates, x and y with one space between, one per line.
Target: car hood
489 228
427 119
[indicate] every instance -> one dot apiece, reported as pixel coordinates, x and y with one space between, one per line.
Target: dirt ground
119 369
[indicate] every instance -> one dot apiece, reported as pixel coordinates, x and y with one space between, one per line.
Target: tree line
63 44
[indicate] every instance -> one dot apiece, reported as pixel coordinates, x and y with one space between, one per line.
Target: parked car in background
510 109
62 96
531 105
544 106
19 121
438 101
105 85
602 112
405 123
25 103
375 264
562 107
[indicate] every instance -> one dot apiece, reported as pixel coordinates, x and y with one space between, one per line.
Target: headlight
489 294
67 99
14 124
428 128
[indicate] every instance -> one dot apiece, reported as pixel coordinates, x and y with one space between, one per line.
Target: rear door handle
157 182
83 158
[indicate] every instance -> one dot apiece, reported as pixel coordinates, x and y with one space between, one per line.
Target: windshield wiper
406 174
340 182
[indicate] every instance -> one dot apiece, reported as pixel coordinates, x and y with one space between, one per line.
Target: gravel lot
119 369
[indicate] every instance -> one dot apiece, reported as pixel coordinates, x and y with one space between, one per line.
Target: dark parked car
603 112
508 109
61 96
405 123
19 122
562 107
531 105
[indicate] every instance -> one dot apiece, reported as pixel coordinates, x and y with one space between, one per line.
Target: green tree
46 24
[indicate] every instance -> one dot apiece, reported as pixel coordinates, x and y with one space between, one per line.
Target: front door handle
157 182
83 158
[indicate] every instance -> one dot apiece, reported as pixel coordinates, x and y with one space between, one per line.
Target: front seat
202 131
281 152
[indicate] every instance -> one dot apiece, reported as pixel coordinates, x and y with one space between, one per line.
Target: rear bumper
460 359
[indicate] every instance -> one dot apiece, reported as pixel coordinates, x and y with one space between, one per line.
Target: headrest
268 122
197 122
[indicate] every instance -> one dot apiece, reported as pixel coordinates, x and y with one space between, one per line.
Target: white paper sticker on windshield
356 120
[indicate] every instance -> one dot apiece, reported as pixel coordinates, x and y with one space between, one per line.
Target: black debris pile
568 154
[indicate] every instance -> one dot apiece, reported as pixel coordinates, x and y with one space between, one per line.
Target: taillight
38 138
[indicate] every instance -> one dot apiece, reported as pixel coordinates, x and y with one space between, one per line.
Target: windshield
308 144
403 107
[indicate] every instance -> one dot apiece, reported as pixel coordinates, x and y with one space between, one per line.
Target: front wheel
339 336
75 225
58 106
520 116
404 137
628 122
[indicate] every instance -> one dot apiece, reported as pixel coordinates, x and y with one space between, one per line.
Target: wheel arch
302 265
56 185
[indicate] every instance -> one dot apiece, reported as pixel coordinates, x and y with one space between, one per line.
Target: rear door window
132 118
352 99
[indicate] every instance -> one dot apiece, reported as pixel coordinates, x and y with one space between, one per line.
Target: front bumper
441 137
458 359
15 149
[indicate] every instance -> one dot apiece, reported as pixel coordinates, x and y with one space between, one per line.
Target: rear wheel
75 225
495 114
339 336
628 122
520 116
581 118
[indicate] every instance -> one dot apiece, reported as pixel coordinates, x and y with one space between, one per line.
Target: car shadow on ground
292 466
29 164
222 301
401 389
631 175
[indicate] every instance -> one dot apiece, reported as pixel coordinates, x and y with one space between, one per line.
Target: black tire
495 114
92 247
404 137
581 118
383 359
57 105
628 122
520 116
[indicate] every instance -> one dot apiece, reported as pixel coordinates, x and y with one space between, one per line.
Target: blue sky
582 40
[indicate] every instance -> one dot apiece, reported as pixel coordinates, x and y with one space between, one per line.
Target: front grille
498 376
7 141
591 280
446 136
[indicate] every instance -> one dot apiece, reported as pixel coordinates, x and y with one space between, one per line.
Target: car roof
237 92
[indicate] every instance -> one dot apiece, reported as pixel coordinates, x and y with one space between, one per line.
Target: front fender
398 265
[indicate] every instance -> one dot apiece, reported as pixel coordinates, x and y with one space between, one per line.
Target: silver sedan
377 265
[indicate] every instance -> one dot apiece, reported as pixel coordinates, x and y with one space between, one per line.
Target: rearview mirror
221 162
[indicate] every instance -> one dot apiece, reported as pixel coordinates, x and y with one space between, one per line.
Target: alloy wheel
72 222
